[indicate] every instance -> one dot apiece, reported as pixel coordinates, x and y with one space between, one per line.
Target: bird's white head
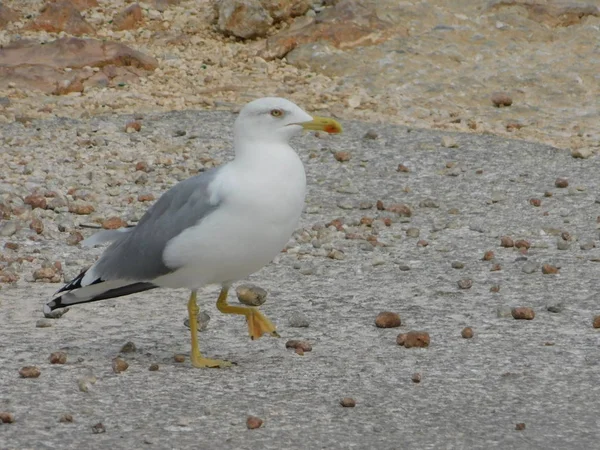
277 119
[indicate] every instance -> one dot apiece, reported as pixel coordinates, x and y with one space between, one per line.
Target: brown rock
465 283
142 166
8 277
113 223
467 332
58 358
561 182
366 221
253 422
29 65
522 243
387 319
37 225
348 24
251 295
66 418
402 168
495 268
153 367
6 417
416 377
422 243
179 358
29 372
548 269
506 241
129 19
400 209
535 201
145 197
80 207
295 344
488 256
75 237
596 322
342 156
119 365
45 273
500 99
348 402
11 246
7 16
520 426
133 126
36 201
61 16
523 313
243 18
98 428
380 207
281 10
413 339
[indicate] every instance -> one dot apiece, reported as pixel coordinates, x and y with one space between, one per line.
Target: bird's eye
276 112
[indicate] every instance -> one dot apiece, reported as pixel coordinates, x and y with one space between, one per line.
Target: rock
128 347
298 320
348 24
81 207
523 313
119 365
561 182
7 16
61 16
535 202
387 319
179 358
9 228
45 274
146 198
58 358
563 245
251 295
98 428
596 322
342 156
43 323
488 256
202 320
243 18
520 426
588 245
372 135
6 417
29 372
281 10
153 367
449 142
129 18
549 269
457 265
66 418
522 243
37 225
507 242
348 402
253 422
400 209
555 308
36 201
467 333
465 283
530 267
74 238
113 223
82 5
500 99
26 64
133 126
402 168
298 344
581 153
554 14
416 377
413 339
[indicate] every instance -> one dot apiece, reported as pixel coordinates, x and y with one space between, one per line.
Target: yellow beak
323 124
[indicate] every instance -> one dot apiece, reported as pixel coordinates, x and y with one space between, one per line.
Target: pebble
413 232
336 254
467 332
43 323
500 99
503 312
179 358
561 182
251 295
378 261
530 267
563 245
6 417
202 320
119 365
253 422
535 202
113 223
449 142
411 339
588 245
549 269
388 319
81 207
9 228
555 308
403 267
74 238
298 320
458 265
36 225
348 402
416 377
522 243
85 383
520 426
153 367
422 243
507 242
581 153
66 418
298 344
371 134
342 156
29 372
402 168
523 313
128 347
488 256
465 283
58 358
98 428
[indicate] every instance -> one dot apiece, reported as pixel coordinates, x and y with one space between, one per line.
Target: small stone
555 308
563 245
145 198
371 134
500 99
548 194
467 332
142 166
488 256
380 206
295 344
43 323
581 153
11 246
128 347
348 402
253 422
179 358
549 269
402 168
81 208
529 267
535 201
133 126
66 418
495 288
585 246
387 319
520 426
298 320
336 254
503 312
251 295
523 313
507 242
422 243
98 428
561 183
74 238
44 273
29 372
449 142
400 209
6 417
413 232
113 223
85 383
119 365
596 322
458 265
342 156
58 358
411 339
465 283
9 228
153 367
36 225
522 243
36 201
416 377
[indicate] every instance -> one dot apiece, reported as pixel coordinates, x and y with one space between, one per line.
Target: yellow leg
258 324
197 359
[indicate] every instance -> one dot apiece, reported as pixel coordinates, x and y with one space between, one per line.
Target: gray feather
137 255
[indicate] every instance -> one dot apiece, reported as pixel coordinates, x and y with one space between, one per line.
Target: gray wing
137 255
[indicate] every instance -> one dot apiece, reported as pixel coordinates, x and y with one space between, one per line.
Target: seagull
215 228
